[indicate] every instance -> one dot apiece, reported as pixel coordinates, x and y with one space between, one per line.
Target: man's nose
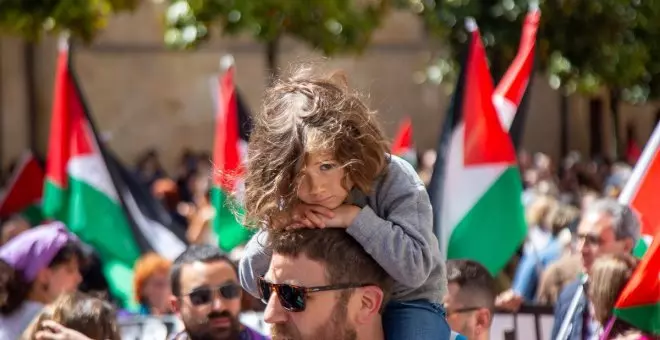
274 312
218 303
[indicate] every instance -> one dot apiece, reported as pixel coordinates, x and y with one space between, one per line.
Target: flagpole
533 6
470 24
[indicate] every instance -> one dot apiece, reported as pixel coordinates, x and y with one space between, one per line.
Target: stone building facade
143 95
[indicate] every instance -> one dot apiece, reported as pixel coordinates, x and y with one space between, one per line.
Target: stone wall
143 95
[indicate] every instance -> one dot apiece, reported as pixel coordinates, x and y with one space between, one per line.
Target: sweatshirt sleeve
255 262
400 235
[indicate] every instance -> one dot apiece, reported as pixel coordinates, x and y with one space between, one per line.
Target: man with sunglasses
207 296
606 227
470 299
322 285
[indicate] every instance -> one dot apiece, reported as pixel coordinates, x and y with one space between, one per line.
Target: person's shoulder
570 289
399 169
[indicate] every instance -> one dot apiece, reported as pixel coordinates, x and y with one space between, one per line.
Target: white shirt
13 325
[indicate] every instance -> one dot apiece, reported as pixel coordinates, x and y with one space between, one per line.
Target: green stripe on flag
640 248
639 316
229 231
491 232
33 214
100 222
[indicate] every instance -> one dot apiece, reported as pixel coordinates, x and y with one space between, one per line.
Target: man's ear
175 304
371 301
628 245
484 317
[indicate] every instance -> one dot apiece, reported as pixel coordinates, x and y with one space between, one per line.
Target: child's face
322 181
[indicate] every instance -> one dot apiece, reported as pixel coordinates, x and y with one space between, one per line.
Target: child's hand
344 216
310 216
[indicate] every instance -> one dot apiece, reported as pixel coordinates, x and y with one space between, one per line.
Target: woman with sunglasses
36 267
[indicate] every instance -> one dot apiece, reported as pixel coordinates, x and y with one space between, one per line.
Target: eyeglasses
590 239
293 298
461 310
201 296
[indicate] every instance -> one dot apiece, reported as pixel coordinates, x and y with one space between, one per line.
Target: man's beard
337 328
202 330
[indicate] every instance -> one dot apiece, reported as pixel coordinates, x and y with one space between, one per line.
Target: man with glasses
207 296
322 285
606 227
470 299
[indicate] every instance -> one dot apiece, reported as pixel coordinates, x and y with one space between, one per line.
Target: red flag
25 187
481 120
513 85
228 172
639 303
641 191
227 155
403 142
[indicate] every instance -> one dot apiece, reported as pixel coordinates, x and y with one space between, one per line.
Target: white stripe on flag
161 239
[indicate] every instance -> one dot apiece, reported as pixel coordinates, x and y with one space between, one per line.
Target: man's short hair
192 254
477 286
346 262
626 224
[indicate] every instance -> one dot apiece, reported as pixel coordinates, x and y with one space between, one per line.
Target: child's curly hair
302 114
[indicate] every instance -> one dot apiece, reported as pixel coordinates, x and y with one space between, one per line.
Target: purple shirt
246 334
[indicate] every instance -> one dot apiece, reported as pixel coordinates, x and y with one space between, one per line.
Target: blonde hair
88 315
303 114
607 278
560 216
539 209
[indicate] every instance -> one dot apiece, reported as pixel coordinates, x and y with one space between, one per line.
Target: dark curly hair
303 114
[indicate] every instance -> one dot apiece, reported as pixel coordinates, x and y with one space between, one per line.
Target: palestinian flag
476 187
403 145
22 195
514 86
639 303
641 192
231 133
89 190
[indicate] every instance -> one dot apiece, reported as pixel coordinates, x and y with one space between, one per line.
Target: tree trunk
272 52
563 123
615 100
29 49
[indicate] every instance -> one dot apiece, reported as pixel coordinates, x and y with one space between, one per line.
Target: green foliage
330 25
81 18
582 45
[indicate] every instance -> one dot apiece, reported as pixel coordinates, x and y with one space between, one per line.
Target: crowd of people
343 248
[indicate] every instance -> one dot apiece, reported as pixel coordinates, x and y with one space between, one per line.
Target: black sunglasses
204 295
293 298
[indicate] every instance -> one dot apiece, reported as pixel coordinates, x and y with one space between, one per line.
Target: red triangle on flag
644 201
403 141
513 84
643 288
227 156
70 133
25 187
486 142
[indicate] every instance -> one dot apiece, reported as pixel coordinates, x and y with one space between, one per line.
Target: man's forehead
452 298
595 222
298 270
201 273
